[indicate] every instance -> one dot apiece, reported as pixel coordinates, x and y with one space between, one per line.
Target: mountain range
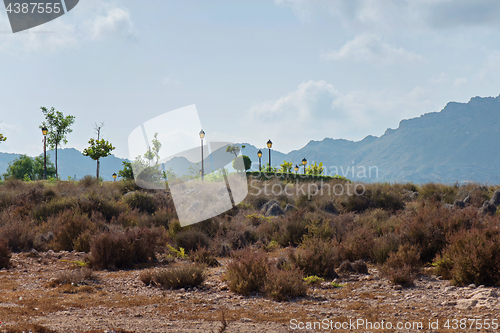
460 143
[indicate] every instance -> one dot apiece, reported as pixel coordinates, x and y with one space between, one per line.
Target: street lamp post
269 145
259 153
304 162
114 176
44 132
202 135
296 168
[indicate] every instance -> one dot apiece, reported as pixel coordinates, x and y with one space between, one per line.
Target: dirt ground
119 301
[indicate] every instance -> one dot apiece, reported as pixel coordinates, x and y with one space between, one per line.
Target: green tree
98 148
2 138
286 167
234 149
315 169
59 126
126 173
28 168
247 163
156 147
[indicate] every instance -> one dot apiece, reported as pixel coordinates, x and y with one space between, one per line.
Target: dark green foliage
191 240
126 173
29 168
142 201
43 211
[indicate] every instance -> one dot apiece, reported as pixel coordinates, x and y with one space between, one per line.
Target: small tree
247 163
315 169
98 148
2 138
234 149
28 168
286 167
59 126
126 173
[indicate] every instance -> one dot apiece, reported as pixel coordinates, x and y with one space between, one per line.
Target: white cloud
370 48
459 81
115 22
89 20
316 109
387 15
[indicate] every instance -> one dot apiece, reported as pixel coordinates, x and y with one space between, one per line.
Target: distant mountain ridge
460 143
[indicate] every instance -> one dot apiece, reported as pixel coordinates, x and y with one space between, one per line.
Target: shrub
386 199
5 254
112 250
144 202
191 239
69 226
359 266
358 244
282 285
292 229
79 276
95 202
205 257
145 242
313 280
177 277
315 256
247 271
357 203
473 256
383 246
43 211
88 181
402 266
18 232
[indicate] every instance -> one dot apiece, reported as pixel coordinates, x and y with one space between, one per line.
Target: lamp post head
269 144
259 153
296 168
45 130
304 161
202 134
114 175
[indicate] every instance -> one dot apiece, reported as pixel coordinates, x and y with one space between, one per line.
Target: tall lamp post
202 135
259 153
269 145
296 168
44 132
304 162
114 176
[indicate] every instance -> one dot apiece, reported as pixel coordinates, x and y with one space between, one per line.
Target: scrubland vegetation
401 228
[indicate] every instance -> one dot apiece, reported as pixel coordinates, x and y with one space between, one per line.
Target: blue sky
289 70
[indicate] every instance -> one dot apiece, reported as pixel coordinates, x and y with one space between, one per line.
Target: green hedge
264 175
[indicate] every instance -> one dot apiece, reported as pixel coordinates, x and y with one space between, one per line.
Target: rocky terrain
118 301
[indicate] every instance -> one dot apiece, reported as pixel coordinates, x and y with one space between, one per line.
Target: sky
286 70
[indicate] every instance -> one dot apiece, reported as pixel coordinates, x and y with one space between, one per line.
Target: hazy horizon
286 70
